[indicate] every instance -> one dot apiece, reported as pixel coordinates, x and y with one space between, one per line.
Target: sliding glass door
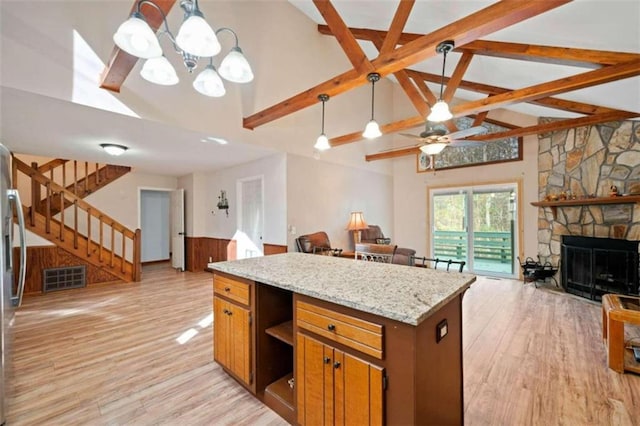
476 224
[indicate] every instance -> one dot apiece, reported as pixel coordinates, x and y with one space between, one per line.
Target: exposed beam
456 77
385 129
121 63
347 41
585 58
486 21
397 25
522 131
480 118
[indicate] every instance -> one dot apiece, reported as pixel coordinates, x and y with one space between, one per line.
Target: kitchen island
323 339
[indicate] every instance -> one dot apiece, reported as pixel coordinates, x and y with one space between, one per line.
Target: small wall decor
223 203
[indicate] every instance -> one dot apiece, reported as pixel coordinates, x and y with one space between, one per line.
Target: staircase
79 228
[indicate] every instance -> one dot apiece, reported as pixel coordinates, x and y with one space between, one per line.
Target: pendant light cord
323 117
373 96
444 61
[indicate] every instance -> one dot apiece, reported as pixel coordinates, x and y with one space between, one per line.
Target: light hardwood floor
110 355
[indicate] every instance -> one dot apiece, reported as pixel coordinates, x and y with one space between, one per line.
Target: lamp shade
209 83
433 148
159 71
235 67
440 112
372 130
135 37
356 222
322 143
197 37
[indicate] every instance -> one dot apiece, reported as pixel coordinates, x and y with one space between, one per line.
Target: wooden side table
618 310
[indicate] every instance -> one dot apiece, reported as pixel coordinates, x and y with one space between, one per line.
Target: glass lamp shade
135 37
356 222
209 83
113 149
322 143
440 112
159 71
372 130
433 148
197 37
235 67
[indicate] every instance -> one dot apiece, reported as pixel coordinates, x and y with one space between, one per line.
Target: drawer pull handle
327 360
331 327
336 365
227 289
225 311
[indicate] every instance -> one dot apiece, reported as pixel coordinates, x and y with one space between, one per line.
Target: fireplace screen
592 267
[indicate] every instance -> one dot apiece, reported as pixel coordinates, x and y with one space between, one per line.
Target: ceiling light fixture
113 149
195 39
433 148
440 111
322 143
372 130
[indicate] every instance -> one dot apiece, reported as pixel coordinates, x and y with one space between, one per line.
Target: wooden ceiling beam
522 131
456 77
584 58
347 41
493 18
120 62
397 25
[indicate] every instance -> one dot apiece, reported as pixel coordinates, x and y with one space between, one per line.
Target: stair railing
78 220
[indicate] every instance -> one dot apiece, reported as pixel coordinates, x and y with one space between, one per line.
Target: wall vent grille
63 278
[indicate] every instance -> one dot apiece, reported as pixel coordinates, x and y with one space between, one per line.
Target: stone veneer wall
585 162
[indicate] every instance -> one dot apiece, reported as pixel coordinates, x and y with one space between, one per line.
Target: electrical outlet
441 330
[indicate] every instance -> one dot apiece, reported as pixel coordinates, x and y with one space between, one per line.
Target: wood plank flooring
112 355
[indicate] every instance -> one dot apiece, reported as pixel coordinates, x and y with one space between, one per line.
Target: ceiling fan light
372 130
440 112
235 67
209 83
135 37
196 36
113 149
159 71
322 143
433 148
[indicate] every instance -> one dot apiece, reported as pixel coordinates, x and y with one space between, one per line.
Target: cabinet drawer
353 332
232 289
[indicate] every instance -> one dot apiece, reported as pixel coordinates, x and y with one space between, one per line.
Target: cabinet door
240 342
358 391
314 381
221 344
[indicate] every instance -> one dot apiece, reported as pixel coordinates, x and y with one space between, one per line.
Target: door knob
336 364
327 360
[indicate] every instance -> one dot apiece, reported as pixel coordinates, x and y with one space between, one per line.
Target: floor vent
64 278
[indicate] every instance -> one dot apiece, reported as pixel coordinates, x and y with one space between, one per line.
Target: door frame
167 190
519 236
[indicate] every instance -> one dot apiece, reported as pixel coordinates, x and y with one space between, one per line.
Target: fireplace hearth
592 267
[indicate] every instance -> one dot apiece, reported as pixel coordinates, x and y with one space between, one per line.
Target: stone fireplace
586 162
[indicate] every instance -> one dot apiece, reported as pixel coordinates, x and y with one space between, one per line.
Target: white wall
321 195
411 189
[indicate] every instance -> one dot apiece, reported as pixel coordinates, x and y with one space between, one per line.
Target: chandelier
196 39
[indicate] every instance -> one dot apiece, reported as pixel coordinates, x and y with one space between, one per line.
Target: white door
155 225
177 229
250 217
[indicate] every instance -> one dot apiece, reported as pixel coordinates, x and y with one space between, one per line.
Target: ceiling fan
435 138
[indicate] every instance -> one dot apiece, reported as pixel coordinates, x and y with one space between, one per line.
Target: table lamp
356 224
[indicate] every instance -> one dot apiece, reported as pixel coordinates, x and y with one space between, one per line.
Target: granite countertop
403 293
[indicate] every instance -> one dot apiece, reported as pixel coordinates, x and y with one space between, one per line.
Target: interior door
177 229
250 217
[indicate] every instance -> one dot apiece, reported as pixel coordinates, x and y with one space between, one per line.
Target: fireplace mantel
622 199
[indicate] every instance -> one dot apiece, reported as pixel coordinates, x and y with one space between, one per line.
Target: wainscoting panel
274 249
200 249
45 257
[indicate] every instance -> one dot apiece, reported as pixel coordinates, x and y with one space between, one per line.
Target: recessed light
113 149
220 141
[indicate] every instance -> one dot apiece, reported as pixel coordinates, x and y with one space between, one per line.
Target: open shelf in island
282 332
280 396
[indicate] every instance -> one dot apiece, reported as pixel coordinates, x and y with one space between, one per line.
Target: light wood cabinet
232 330
334 387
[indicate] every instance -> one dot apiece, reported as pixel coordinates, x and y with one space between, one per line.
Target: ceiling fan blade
471 131
459 143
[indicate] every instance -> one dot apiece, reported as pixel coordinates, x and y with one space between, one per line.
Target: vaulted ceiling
398 52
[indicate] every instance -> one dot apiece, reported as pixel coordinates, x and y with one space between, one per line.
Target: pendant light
440 111
372 130
322 143
209 83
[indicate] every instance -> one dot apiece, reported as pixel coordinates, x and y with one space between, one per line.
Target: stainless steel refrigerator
10 299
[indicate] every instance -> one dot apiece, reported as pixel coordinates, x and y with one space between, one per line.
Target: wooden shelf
621 199
282 332
281 397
